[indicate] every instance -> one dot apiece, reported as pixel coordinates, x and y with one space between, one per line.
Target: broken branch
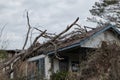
28 32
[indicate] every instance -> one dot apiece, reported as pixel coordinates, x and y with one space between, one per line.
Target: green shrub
3 54
59 76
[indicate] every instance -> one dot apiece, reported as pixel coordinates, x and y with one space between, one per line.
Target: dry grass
3 76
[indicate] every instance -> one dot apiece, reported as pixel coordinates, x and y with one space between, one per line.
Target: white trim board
36 58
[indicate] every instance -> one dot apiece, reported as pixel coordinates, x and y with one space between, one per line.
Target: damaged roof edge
78 44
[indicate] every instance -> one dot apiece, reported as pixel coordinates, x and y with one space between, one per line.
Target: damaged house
70 51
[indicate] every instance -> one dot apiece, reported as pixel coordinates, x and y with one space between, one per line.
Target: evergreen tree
106 11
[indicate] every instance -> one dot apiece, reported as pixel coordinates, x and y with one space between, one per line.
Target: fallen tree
52 40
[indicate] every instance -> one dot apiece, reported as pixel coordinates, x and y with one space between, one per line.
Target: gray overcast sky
53 15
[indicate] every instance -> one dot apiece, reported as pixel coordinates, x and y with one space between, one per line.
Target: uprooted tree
52 40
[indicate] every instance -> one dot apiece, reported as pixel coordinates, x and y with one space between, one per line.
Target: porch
42 66
71 60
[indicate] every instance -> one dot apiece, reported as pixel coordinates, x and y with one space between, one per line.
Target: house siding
95 42
56 65
47 67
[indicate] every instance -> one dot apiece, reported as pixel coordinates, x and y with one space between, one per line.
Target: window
63 64
41 67
37 69
75 66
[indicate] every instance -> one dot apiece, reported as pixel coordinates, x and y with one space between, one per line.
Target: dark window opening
41 67
75 66
63 64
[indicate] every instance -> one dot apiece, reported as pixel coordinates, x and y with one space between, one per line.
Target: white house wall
96 41
56 65
47 67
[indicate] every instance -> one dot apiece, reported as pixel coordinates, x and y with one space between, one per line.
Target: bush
102 64
3 54
59 76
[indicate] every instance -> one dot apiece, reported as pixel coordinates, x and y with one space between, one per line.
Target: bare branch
28 32
38 37
89 27
42 31
31 34
78 25
68 27
56 54
46 35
